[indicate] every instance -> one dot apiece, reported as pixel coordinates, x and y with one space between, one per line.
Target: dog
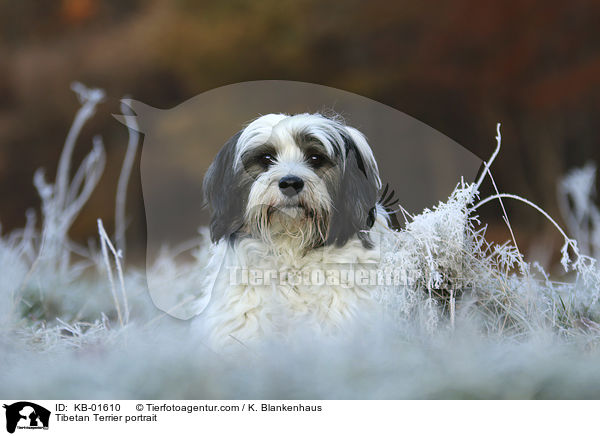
294 210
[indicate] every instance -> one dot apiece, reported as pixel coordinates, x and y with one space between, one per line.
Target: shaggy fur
286 255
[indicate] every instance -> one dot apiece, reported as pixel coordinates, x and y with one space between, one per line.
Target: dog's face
304 180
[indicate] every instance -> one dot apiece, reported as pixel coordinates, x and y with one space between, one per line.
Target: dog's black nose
291 185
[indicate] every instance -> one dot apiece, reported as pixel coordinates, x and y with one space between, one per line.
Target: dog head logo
278 170
26 415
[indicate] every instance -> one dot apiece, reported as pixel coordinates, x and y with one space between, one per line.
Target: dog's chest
267 293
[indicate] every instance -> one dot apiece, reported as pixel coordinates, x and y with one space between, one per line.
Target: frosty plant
476 318
106 244
63 200
576 192
454 272
121 199
49 255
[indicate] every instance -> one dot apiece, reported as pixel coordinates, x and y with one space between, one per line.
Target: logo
26 415
180 143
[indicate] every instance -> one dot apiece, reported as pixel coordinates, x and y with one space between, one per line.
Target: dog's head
303 179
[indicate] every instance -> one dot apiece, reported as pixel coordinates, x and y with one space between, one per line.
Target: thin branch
89 98
568 241
93 165
505 216
105 242
492 158
120 207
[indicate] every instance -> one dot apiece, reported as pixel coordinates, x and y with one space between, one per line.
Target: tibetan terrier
294 219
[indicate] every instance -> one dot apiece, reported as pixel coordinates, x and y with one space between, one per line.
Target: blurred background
459 66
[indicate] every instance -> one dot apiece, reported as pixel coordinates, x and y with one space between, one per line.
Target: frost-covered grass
474 320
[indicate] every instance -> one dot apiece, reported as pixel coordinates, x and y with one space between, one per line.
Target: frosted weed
475 320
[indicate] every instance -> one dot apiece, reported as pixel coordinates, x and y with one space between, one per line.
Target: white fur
244 313
277 244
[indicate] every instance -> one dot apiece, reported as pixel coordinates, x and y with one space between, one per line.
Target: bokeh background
459 66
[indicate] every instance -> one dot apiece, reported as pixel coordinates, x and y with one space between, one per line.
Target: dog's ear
356 197
222 193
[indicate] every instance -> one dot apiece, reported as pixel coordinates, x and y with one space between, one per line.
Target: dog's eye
316 160
266 159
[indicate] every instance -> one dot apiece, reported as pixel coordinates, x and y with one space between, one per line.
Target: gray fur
226 193
354 200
